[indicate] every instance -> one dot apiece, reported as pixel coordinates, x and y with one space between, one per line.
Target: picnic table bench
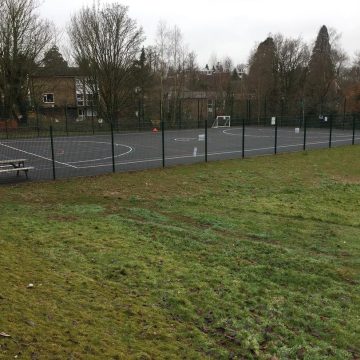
14 165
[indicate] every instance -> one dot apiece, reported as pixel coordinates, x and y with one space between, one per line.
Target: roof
64 72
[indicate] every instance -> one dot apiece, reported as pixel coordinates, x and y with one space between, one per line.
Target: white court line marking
39 156
105 158
310 135
185 139
209 154
81 161
279 146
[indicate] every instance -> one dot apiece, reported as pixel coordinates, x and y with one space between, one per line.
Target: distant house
52 93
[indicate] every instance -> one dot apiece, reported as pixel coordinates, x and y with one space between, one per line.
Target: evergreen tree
54 61
143 81
142 72
321 73
142 59
262 76
235 75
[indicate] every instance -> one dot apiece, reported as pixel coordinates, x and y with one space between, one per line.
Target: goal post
221 121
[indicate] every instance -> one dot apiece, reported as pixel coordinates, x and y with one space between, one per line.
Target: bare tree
355 69
177 59
106 42
292 60
356 61
174 58
339 58
192 70
23 39
163 53
228 64
213 61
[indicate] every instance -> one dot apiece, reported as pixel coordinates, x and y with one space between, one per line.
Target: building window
90 99
48 98
80 99
81 112
210 106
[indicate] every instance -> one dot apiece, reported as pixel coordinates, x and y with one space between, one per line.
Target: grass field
253 259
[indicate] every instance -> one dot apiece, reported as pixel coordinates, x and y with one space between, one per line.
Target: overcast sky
231 27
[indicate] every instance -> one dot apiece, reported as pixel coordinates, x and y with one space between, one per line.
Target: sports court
86 155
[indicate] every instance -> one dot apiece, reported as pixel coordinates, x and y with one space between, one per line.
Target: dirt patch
63 218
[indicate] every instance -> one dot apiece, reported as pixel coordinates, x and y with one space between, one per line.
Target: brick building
61 95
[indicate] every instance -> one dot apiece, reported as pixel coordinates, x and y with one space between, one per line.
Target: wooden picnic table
14 165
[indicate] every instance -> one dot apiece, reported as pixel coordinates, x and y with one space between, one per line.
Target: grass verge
254 259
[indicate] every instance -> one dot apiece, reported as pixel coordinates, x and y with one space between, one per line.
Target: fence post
232 107
276 135
112 147
330 134
246 110
353 134
206 140
163 142
198 112
66 121
37 121
265 108
139 114
52 152
92 118
344 114
305 126
302 114
6 128
243 139
249 101
160 111
162 125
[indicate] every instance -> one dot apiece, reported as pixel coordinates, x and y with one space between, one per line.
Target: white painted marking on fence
195 152
39 156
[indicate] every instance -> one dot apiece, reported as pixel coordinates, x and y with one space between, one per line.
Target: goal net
221 121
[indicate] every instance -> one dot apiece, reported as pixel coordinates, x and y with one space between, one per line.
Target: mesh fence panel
138 150
225 142
184 140
82 155
91 147
317 132
342 130
290 135
259 136
31 146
